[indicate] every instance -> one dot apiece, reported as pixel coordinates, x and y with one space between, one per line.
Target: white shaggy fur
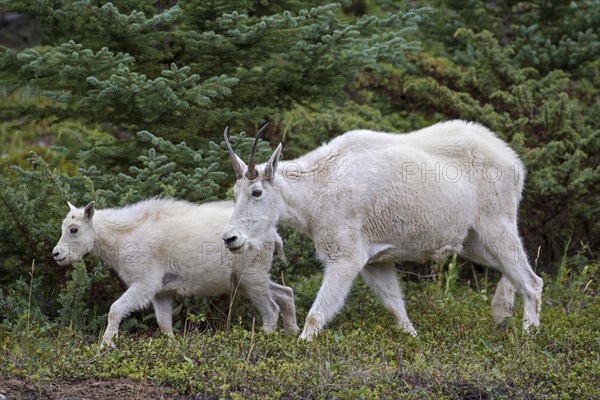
162 247
369 199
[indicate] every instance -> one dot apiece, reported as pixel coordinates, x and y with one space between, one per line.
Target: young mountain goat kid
162 248
369 199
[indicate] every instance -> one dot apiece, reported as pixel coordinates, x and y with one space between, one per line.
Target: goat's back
458 141
170 220
430 186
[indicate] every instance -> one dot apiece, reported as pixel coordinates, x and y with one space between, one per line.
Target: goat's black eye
256 193
73 230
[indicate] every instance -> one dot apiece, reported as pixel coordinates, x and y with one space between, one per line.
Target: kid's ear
71 206
88 212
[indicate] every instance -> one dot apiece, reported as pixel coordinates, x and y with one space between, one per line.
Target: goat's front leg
284 297
135 297
254 285
337 281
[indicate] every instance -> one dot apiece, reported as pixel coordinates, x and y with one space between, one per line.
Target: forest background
117 102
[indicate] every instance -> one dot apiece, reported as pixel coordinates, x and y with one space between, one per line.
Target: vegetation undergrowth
459 353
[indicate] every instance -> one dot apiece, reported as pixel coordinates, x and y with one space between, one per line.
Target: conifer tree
193 68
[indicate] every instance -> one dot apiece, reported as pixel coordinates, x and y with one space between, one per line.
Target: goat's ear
243 168
272 164
88 212
239 166
71 206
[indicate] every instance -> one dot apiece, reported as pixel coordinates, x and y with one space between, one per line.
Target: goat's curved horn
251 174
237 168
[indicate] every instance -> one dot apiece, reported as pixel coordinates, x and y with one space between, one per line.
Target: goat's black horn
252 174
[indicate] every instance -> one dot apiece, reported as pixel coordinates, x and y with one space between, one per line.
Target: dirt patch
116 389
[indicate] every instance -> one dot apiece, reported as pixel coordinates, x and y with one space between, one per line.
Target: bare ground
114 389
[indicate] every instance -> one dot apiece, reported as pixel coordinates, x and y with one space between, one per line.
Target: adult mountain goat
161 248
369 199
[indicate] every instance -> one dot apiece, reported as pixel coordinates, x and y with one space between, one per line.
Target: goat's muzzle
232 242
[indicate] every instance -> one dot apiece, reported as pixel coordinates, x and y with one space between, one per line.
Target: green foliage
75 300
304 127
26 214
17 308
300 254
543 35
194 67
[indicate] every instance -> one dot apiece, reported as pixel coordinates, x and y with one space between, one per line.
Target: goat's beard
252 250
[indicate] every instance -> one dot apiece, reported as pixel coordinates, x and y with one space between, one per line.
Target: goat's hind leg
531 285
163 309
503 302
383 281
504 297
500 247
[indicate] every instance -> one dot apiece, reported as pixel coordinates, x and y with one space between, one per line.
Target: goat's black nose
230 240
56 254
